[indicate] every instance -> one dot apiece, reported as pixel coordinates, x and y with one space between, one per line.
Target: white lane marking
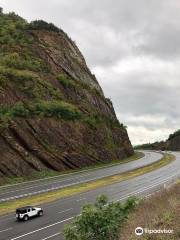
40 229
146 188
50 189
54 235
151 194
5 230
126 196
55 188
44 179
45 184
81 199
67 174
67 210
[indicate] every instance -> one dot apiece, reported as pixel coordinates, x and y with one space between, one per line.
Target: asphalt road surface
50 184
58 213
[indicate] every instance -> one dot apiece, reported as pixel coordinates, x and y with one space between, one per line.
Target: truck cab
27 212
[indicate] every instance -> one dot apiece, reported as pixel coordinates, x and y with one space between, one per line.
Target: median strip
8 207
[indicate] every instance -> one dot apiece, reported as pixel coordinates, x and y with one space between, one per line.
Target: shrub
19 110
42 25
29 83
2 80
113 123
93 120
13 31
14 60
16 76
99 221
65 80
57 109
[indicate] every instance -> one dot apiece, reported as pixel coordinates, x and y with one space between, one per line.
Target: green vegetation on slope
23 69
45 82
12 31
68 82
42 25
65 81
23 62
57 109
29 83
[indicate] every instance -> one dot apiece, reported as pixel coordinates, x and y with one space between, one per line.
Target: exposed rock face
53 113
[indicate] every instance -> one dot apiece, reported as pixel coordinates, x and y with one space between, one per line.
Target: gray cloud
132 47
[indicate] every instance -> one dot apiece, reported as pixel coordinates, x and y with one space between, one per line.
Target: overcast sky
132 46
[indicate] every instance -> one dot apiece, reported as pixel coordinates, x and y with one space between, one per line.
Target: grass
50 173
70 191
29 82
66 81
163 213
56 109
23 62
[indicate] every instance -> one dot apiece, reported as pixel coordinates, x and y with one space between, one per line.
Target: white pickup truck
27 212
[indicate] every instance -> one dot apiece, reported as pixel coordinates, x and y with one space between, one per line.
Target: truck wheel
40 213
26 218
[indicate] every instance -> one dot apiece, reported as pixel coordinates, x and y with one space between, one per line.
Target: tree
42 25
99 221
1 10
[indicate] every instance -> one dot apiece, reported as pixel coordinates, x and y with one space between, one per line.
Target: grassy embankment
70 191
160 211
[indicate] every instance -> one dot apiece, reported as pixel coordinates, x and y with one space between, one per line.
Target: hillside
172 143
53 113
164 208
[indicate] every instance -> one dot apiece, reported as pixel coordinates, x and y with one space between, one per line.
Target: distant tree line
158 145
175 134
147 146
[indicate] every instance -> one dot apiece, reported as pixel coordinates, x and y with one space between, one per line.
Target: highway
61 212
58 182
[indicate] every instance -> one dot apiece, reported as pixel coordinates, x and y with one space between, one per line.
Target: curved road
58 182
60 212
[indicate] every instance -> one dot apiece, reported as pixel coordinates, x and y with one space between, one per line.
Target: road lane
50 184
56 212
